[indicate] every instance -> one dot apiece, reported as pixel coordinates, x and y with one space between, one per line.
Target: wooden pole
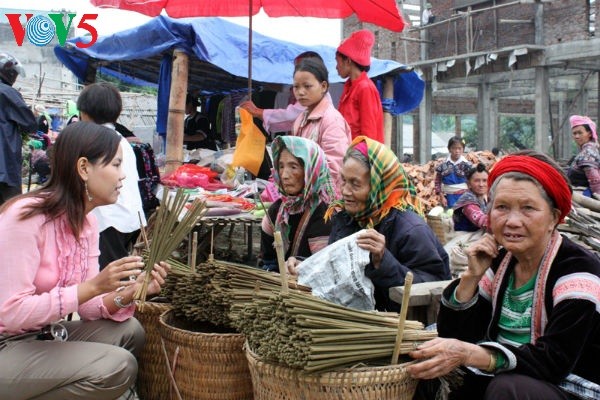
179 82
388 93
402 319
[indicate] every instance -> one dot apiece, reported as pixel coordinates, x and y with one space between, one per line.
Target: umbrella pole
250 49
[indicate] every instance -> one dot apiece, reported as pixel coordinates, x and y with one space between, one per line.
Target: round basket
207 366
273 381
152 380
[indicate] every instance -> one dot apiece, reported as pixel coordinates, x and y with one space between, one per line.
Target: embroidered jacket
565 317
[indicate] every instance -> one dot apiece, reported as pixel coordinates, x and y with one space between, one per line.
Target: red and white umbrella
383 13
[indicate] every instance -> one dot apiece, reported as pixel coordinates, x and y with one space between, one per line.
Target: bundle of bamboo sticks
175 219
217 291
304 332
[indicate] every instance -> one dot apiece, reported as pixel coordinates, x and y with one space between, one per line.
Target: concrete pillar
176 116
484 110
542 110
563 134
400 136
388 93
416 137
492 140
423 152
457 126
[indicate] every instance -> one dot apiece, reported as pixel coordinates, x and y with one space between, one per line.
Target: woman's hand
122 272
249 106
480 255
374 242
159 273
292 266
443 201
438 357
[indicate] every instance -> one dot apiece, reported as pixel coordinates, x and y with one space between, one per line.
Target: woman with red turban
526 311
584 169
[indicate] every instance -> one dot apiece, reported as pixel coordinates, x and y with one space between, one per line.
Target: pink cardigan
41 265
326 126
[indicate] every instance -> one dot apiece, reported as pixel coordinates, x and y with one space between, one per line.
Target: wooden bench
424 300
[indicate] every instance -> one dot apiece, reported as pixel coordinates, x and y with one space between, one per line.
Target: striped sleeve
578 286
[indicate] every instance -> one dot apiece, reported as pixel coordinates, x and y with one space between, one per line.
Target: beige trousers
96 362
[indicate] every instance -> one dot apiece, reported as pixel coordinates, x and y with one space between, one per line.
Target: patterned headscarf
318 185
390 186
576 120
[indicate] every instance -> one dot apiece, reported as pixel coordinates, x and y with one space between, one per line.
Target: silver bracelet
118 302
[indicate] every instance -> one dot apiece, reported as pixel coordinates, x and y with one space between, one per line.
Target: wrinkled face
104 181
342 66
291 173
456 150
521 219
308 90
580 135
478 183
356 184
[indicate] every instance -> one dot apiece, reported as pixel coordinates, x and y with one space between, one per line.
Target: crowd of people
521 321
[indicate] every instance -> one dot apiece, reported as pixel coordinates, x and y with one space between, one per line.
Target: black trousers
115 245
507 386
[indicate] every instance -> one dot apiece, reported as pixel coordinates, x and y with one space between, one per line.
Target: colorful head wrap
318 186
577 120
552 181
390 186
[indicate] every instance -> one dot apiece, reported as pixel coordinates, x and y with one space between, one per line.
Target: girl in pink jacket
320 121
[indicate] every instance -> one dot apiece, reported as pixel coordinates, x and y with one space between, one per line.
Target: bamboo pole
403 310
179 80
281 261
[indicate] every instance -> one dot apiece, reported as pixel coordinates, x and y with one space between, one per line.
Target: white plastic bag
337 274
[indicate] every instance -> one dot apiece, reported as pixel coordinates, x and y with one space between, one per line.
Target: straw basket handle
403 310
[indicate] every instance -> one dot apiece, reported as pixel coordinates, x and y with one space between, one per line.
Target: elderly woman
584 169
306 189
526 310
379 197
470 209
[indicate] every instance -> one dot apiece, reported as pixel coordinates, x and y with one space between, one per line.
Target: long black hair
64 193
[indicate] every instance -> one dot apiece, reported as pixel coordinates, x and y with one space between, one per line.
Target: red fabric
382 13
361 107
358 47
551 180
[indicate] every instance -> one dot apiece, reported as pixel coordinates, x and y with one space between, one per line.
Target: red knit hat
358 47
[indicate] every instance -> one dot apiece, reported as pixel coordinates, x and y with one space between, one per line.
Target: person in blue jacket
378 196
16 118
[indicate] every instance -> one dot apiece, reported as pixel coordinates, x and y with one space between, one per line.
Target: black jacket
410 245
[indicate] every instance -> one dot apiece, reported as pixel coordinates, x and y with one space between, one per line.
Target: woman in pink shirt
320 121
49 269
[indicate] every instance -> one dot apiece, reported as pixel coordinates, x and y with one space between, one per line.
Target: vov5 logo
40 30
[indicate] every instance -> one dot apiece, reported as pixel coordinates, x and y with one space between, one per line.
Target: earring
87 192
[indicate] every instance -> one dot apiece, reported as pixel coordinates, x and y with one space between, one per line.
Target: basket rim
163 322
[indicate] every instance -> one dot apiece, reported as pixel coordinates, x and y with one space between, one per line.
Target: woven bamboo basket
152 381
441 230
206 366
272 381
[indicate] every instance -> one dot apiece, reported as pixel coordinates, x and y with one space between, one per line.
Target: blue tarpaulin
218 52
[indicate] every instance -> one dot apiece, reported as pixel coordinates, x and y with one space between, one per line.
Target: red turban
551 180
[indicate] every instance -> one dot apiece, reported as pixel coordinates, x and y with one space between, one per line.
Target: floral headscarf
318 186
390 186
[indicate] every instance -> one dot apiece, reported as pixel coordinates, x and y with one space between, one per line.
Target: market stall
210 55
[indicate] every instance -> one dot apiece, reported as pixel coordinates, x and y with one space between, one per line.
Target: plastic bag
192 176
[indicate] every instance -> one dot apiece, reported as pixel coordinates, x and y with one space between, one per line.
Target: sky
306 31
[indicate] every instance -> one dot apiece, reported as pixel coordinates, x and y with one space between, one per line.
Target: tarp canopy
218 52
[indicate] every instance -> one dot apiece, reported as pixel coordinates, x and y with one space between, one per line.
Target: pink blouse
40 268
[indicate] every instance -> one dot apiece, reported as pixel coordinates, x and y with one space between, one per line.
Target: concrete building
539 58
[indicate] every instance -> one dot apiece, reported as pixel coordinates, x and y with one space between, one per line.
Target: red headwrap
551 180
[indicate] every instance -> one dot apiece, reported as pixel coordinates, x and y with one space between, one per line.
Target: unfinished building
498 57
